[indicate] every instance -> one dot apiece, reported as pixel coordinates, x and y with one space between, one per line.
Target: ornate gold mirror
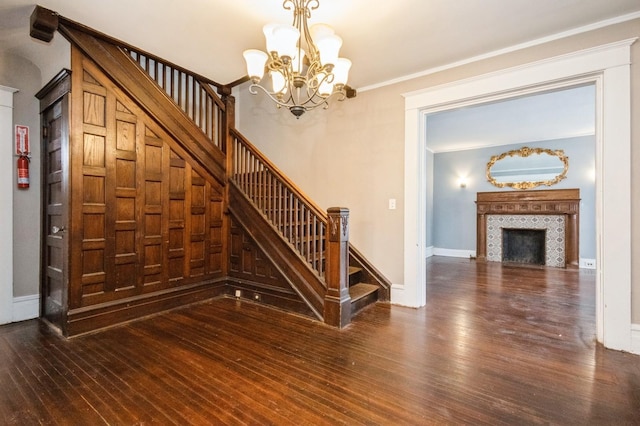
527 168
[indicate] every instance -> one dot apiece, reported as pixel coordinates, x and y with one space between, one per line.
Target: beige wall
25 76
352 154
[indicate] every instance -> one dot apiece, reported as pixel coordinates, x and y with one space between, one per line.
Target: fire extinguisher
23 171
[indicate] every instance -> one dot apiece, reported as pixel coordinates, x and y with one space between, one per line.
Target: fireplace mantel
543 202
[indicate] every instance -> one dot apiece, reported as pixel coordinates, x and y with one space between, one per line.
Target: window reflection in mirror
527 168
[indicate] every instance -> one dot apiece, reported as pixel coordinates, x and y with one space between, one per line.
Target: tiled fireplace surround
557 211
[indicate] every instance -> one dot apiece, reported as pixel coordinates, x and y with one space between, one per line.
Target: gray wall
454 209
429 166
23 75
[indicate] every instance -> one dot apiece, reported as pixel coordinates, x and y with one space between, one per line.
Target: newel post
227 123
337 302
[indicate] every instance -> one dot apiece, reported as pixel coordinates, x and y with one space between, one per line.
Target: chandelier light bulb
255 59
341 71
269 37
285 38
320 30
278 82
329 47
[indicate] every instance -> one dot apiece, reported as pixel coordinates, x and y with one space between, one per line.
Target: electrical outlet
238 293
589 264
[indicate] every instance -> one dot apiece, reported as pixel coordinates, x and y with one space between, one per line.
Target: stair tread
360 290
354 270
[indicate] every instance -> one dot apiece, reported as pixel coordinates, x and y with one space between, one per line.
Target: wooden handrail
189 91
193 93
288 209
235 134
112 40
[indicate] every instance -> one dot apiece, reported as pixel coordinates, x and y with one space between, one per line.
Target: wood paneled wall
145 216
257 277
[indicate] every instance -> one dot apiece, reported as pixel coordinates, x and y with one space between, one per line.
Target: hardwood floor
494 345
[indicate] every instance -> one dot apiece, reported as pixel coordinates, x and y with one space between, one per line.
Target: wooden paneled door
55 157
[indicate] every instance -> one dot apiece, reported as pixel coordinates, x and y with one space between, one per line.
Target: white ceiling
386 40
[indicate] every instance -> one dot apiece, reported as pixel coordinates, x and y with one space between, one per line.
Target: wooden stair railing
321 239
141 74
297 219
192 93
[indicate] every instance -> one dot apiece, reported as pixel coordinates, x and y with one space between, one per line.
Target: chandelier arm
272 95
317 100
310 5
286 2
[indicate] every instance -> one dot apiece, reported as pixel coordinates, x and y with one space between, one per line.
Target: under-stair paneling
256 277
146 217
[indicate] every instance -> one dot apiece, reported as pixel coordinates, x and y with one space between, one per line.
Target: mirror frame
526 152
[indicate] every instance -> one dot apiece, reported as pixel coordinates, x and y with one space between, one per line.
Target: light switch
392 203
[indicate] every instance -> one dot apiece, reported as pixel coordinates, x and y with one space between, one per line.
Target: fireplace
524 245
552 212
553 225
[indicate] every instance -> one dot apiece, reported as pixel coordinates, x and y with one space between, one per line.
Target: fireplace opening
524 246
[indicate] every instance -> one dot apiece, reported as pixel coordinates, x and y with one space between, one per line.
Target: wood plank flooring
494 345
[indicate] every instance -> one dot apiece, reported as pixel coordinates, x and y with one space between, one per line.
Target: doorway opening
608 68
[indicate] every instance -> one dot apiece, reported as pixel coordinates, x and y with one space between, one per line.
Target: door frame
55 101
6 204
608 67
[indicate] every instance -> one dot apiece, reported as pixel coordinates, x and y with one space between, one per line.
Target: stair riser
363 302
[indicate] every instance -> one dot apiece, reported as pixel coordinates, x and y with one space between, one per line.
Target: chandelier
302 62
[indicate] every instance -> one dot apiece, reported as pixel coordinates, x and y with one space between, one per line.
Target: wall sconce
462 182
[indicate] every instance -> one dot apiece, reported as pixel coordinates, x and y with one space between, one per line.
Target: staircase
307 245
298 225
362 294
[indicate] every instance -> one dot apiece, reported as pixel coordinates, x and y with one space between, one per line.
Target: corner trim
430 251
26 307
635 339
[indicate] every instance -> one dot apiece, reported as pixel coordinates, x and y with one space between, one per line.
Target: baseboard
26 307
400 298
587 263
635 339
429 252
97 317
276 297
454 253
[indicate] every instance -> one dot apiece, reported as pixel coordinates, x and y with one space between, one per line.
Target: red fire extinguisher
23 171
22 151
